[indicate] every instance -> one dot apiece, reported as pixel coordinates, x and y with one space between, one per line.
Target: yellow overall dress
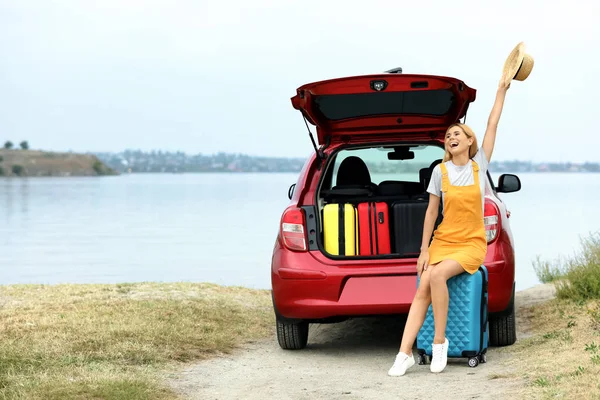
461 235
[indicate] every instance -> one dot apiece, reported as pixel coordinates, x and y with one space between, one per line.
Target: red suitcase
373 228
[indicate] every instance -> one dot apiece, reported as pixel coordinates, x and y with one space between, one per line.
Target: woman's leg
416 316
440 273
417 313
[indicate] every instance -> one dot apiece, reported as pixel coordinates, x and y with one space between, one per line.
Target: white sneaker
401 364
439 357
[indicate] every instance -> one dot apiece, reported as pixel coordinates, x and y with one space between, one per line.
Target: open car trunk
360 217
367 213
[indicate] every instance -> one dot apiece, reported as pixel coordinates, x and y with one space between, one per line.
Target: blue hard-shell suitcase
467 326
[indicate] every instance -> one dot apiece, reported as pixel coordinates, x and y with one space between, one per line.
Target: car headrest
353 171
433 164
424 176
425 173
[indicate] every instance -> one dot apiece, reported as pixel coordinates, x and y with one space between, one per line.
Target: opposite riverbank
17 163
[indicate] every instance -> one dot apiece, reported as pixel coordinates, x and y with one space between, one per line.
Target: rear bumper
340 296
310 287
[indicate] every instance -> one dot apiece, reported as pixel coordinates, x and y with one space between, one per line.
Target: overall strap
475 172
445 181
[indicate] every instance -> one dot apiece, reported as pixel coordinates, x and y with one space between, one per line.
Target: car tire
292 336
503 327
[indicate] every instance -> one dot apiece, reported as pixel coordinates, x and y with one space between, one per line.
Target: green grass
115 341
577 278
566 328
547 271
553 337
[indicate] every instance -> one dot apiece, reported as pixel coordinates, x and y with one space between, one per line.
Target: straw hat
518 65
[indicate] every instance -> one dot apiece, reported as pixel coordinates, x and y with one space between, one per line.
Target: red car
378 137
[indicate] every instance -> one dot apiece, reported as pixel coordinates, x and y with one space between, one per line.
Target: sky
206 76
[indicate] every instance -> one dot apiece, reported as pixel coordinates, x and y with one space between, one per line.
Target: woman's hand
422 262
504 83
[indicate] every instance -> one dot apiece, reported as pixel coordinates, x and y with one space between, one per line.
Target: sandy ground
348 360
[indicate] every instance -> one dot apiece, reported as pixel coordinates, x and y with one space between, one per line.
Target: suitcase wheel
422 359
473 362
483 358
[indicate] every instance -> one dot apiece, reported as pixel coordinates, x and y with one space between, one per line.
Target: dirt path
346 361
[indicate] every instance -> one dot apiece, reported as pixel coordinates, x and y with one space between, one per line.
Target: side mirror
508 183
291 191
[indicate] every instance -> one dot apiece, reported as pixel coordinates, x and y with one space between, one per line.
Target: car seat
425 173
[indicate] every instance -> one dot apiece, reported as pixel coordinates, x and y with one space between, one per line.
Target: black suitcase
408 218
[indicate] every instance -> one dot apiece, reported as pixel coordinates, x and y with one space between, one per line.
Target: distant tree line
137 161
8 145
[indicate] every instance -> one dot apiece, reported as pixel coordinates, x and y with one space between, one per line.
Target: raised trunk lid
383 106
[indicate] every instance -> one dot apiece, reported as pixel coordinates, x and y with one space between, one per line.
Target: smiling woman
458 244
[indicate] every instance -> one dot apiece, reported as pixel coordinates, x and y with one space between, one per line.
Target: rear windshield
424 102
381 168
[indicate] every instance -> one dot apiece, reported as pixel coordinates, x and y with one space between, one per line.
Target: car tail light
491 220
293 229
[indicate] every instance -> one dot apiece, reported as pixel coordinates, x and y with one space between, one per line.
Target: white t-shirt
460 176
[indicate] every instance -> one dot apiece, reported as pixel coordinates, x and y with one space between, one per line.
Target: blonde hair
469 133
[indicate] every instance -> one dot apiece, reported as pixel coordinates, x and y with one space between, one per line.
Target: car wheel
503 328
292 336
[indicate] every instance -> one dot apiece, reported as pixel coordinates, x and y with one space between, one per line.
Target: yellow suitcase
340 225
